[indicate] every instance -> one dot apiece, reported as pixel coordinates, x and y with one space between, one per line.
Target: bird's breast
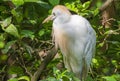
61 38
70 35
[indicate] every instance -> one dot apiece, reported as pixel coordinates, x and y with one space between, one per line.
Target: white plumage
76 39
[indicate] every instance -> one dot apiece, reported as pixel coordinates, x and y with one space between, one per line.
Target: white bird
76 39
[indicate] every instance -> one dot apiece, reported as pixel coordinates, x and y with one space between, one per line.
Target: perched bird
76 39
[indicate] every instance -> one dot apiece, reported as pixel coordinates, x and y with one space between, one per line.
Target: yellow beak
48 19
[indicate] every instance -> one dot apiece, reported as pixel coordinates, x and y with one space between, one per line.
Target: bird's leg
84 70
79 75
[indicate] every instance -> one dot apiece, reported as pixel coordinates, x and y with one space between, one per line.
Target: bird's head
59 13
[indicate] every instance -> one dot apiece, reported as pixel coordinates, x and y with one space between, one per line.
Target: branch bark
108 13
49 57
105 5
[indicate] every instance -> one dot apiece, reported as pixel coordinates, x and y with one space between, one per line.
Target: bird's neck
62 19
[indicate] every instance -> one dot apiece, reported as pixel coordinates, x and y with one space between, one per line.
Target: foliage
64 76
26 78
23 38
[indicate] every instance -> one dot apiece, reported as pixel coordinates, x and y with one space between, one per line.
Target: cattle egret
76 39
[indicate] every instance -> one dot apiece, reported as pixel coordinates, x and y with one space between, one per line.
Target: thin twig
22 63
49 57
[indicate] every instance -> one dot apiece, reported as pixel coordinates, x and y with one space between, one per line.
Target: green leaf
75 79
41 32
116 76
3 57
2 44
89 78
15 70
109 78
8 46
33 22
6 22
31 0
27 33
65 78
30 12
24 78
96 11
2 38
17 14
52 79
18 2
101 44
11 29
43 4
3 69
2 8
13 79
54 2
72 7
94 60
28 48
86 4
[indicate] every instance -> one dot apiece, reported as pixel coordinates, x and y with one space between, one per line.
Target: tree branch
105 5
49 57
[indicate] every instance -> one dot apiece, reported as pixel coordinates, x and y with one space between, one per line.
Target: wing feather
89 51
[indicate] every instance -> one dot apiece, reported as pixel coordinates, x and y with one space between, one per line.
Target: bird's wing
83 47
89 50
90 44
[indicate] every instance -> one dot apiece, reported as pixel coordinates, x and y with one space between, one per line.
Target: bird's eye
54 14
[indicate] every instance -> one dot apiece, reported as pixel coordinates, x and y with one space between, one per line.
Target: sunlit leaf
2 44
11 29
31 0
71 6
41 32
13 79
8 46
24 78
101 44
109 78
94 60
6 22
116 76
86 4
18 2
96 11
